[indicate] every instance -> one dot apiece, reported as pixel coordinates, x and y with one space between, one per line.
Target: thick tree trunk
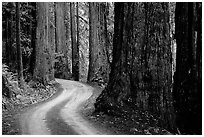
187 93
75 48
98 61
141 74
51 40
43 69
18 45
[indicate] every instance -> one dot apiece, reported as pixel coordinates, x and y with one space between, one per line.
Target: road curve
60 115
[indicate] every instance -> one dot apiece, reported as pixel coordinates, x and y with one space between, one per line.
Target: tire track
60 115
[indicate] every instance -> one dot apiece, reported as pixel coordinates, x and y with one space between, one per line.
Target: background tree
44 64
98 59
141 74
77 26
18 45
33 37
8 26
75 48
187 91
62 65
51 39
83 12
60 27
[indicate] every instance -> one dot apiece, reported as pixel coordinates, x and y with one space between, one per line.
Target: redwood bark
98 59
43 71
62 66
141 74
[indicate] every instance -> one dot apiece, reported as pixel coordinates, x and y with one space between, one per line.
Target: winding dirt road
60 115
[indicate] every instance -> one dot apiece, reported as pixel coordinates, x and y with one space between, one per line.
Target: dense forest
146 57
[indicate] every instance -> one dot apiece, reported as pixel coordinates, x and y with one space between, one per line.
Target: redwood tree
75 48
8 30
33 38
98 61
18 45
43 71
187 91
141 74
60 26
62 67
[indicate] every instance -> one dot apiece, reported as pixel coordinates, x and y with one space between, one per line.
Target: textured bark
43 71
18 46
141 74
187 93
75 48
98 61
51 40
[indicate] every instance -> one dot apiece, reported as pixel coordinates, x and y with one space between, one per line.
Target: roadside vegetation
15 99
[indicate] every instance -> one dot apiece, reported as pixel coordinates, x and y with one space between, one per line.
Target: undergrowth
15 98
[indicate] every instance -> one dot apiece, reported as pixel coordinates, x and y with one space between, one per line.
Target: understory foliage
13 95
14 99
60 66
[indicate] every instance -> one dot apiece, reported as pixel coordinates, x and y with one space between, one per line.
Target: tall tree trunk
141 74
62 71
33 38
9 49
187 93
75 48
18 45
77 31
60 27
43 69
68 35
8 40
98 61
51 39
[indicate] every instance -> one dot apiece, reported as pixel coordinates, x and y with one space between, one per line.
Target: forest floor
139 123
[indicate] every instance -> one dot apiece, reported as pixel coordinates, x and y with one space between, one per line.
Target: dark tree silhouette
8 49
187 91
33 38
75 48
